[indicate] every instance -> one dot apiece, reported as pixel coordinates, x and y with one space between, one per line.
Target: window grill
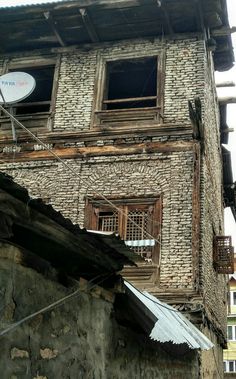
223 255
108 221
137 222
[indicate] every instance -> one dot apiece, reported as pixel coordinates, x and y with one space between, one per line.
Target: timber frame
41 121
127 117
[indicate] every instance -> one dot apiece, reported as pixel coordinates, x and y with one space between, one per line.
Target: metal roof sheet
171 325
31 3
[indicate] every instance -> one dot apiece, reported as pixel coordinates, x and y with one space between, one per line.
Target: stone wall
214 286
79 339
169 175
182 77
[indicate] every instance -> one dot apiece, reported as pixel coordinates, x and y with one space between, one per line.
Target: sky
230 225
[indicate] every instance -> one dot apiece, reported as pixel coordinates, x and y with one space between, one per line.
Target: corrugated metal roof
31 4
171 325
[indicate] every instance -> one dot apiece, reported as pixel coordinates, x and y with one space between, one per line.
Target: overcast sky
230 226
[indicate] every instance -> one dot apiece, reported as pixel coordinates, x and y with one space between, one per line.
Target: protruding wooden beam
225 84
52 23
223 31
166 17
227 100
89 25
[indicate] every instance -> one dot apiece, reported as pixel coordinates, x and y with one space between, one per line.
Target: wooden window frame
93 205
131 116
46 118
223 255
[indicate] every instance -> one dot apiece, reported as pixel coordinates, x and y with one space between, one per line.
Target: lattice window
108 221
223 255
137 224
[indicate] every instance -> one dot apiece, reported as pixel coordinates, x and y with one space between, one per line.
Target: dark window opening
40 99
131 84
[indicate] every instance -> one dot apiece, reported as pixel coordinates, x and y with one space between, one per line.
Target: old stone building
126 99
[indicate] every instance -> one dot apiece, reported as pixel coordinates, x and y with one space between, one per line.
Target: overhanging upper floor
68 23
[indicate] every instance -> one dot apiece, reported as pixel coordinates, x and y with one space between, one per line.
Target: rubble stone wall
79 339
169 175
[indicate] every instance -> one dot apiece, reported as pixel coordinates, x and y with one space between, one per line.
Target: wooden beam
223 31
89 25
52 23
166 18
227 100
225 84
79 152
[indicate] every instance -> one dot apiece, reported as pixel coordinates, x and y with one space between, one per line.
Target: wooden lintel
89 25
52 24
72 152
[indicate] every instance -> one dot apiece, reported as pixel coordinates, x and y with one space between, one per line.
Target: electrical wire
75 174
155 302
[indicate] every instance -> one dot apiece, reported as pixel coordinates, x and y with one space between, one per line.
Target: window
131 84
232 298
223 255
229 366
224 363
129 90
146 213
40 99
231 332
37 110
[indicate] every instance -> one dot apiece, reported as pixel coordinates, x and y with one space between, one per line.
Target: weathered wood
67 153
52 24
227 100
129 99
196 203
89 25
223 31
225 84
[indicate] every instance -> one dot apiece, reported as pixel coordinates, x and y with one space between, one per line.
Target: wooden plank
89 25
72 152
52 23
196 214
124 100
104 133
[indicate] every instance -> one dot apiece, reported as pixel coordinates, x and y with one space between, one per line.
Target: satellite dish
15 86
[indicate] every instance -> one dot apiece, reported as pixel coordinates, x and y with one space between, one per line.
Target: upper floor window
232 298
129 90
223 255
40 99
231 332
137 221
230 366
36 111
131 84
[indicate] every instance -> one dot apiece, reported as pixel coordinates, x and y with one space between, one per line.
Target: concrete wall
80 339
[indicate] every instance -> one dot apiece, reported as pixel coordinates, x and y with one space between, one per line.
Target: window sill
133 116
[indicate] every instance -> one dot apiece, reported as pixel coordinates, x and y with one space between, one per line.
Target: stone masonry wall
214 286
182 75
169 175
79 339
